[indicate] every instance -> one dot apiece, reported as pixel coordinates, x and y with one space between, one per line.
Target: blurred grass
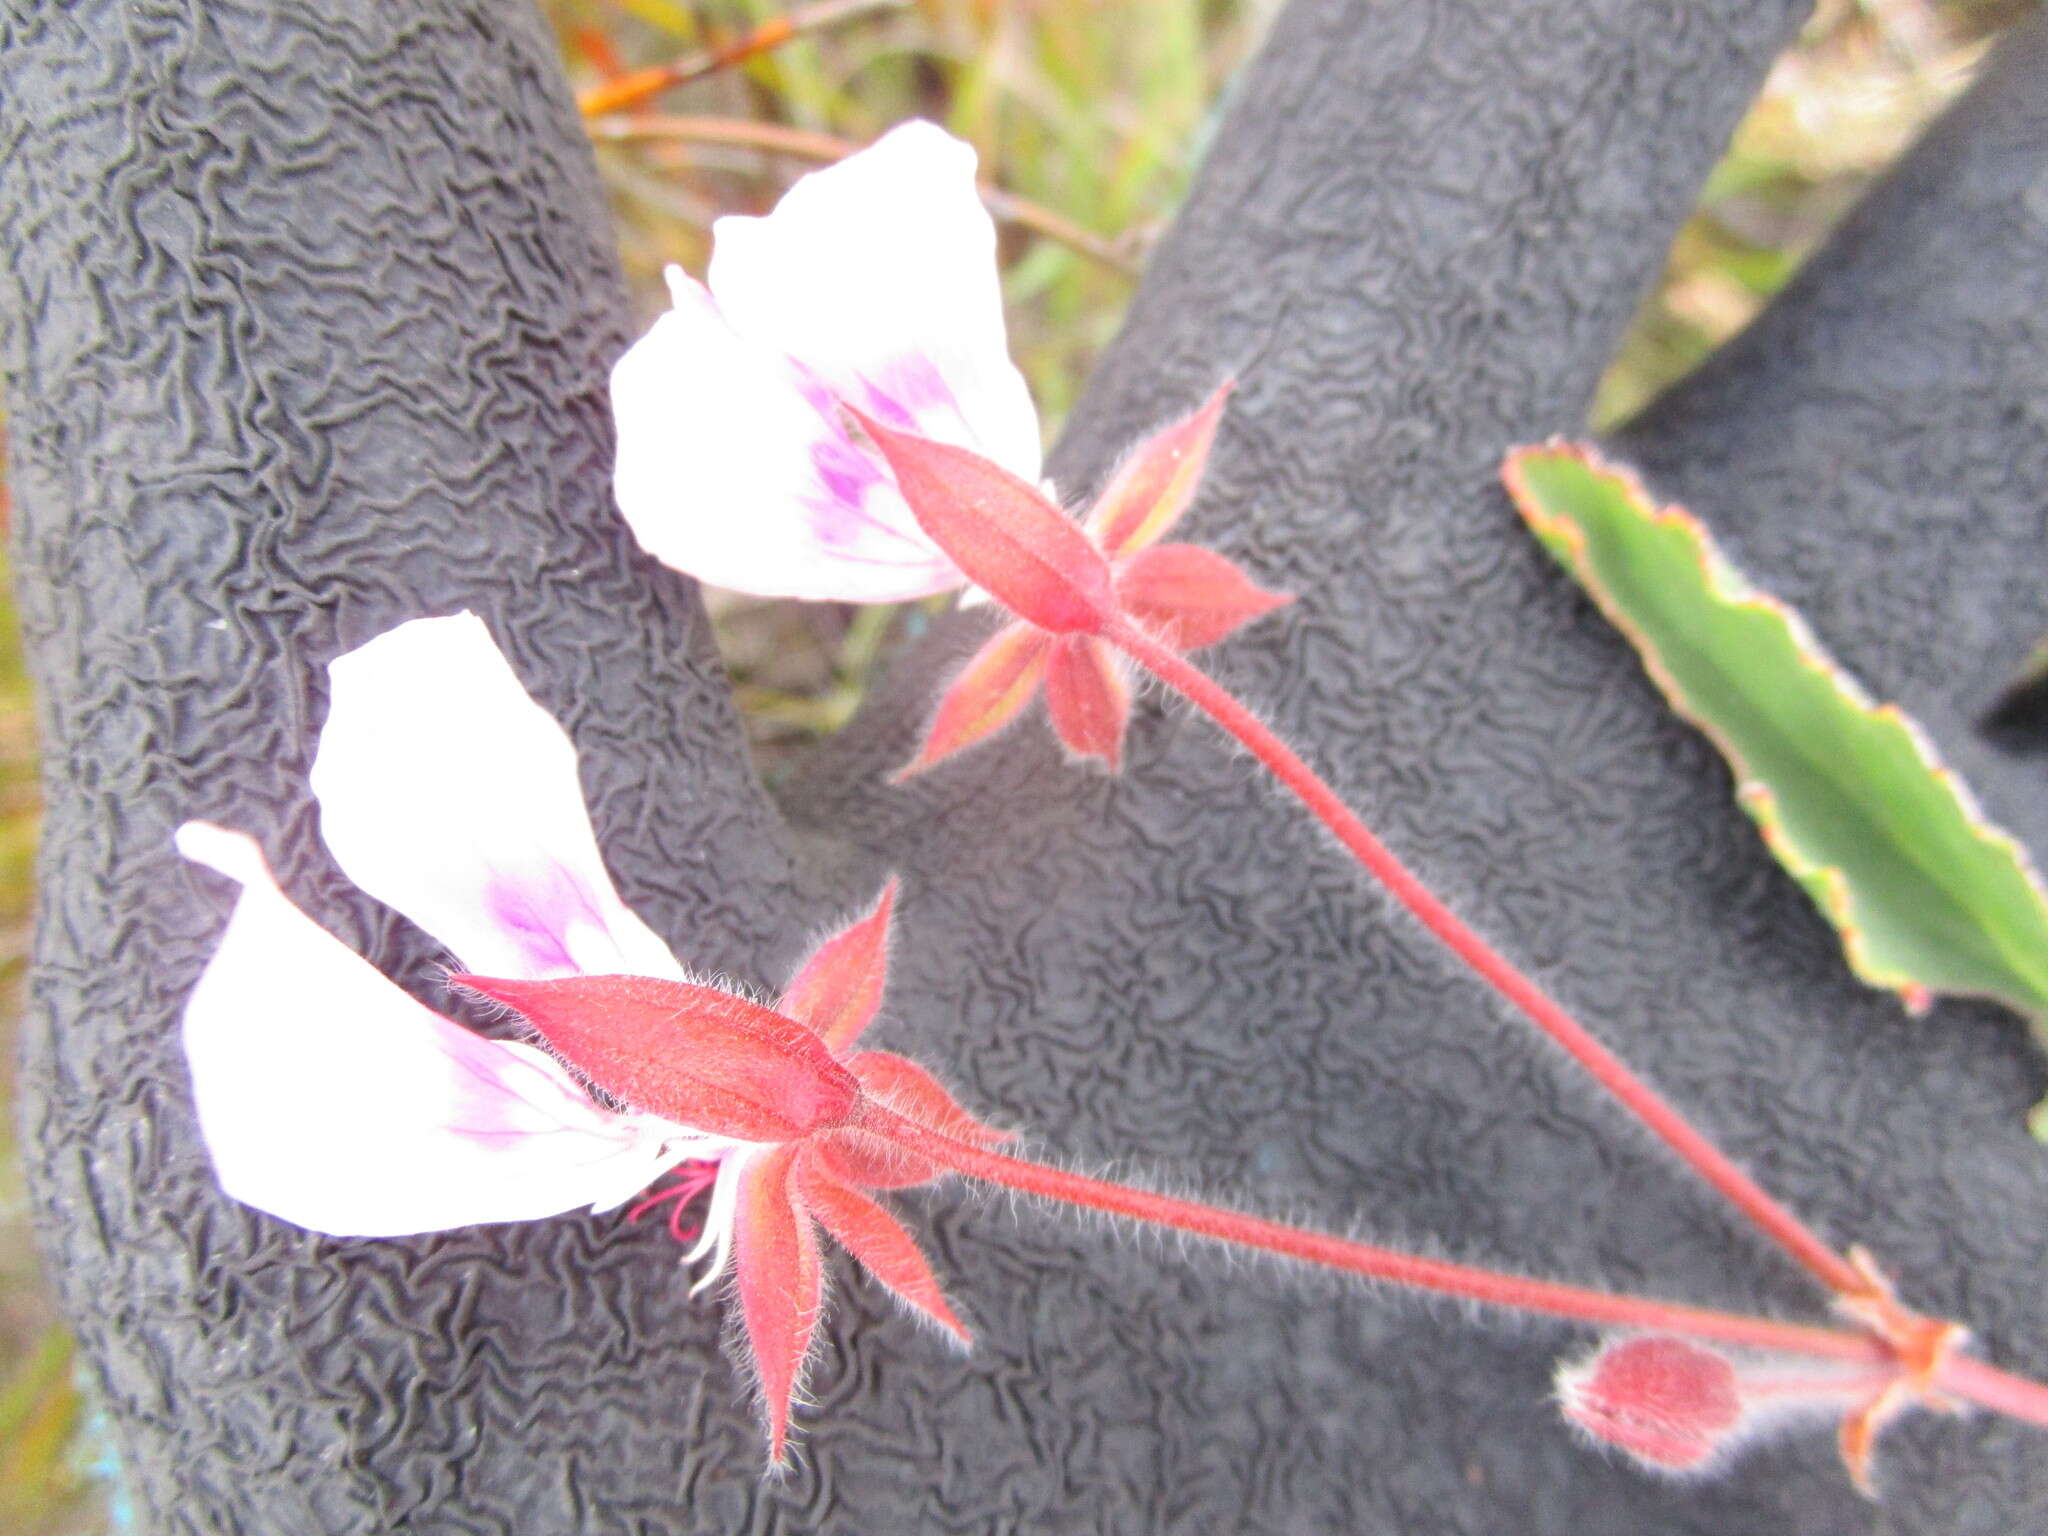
1097 113
43 1485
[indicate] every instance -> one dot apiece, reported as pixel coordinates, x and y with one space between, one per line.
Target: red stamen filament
692 1179
1636 1096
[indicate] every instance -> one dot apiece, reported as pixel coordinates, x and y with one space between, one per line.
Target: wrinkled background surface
306 333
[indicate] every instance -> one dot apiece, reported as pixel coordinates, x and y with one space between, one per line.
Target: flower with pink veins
331 1098
801 426
873 283
1077 589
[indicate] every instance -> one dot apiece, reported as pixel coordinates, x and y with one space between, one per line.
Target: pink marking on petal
446 792
334 1100
879 275
733 465
908 392
537 913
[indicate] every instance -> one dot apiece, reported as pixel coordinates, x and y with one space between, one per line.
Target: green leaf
1927 895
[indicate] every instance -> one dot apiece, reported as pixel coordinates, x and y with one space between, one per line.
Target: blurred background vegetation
1090 117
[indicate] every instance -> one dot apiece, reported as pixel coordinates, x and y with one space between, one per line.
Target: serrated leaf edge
1826 884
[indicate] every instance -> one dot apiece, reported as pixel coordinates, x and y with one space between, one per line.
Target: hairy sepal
691 1054
1189 596
1001 531
1088 699
840 986
989 692
878 1240
1157 480
780 1278
866 1159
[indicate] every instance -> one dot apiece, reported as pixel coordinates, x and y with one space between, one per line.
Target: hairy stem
1469 1282
1988 1387
1959 1376
1641 1100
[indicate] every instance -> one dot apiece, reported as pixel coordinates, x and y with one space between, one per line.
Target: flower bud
1669 1403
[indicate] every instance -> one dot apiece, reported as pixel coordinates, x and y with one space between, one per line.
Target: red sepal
700 1057
1088 699
902 1085
990 691
1156 481
1013 543
858 1157
840 986
878 1240
781 1283
1190 596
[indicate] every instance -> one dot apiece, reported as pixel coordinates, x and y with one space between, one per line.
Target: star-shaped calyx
1070 584
786 1085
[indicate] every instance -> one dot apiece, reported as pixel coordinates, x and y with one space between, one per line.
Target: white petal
715 1241
330 1098
878 274
449 794
735 467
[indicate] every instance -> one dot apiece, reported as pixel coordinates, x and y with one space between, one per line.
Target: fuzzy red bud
1002 532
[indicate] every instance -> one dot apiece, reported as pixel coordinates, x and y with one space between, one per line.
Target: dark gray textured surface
1936 287
307 322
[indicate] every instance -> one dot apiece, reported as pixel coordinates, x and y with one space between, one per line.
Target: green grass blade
1928 897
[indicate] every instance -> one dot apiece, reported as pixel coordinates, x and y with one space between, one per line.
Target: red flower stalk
1175 597
823 1125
